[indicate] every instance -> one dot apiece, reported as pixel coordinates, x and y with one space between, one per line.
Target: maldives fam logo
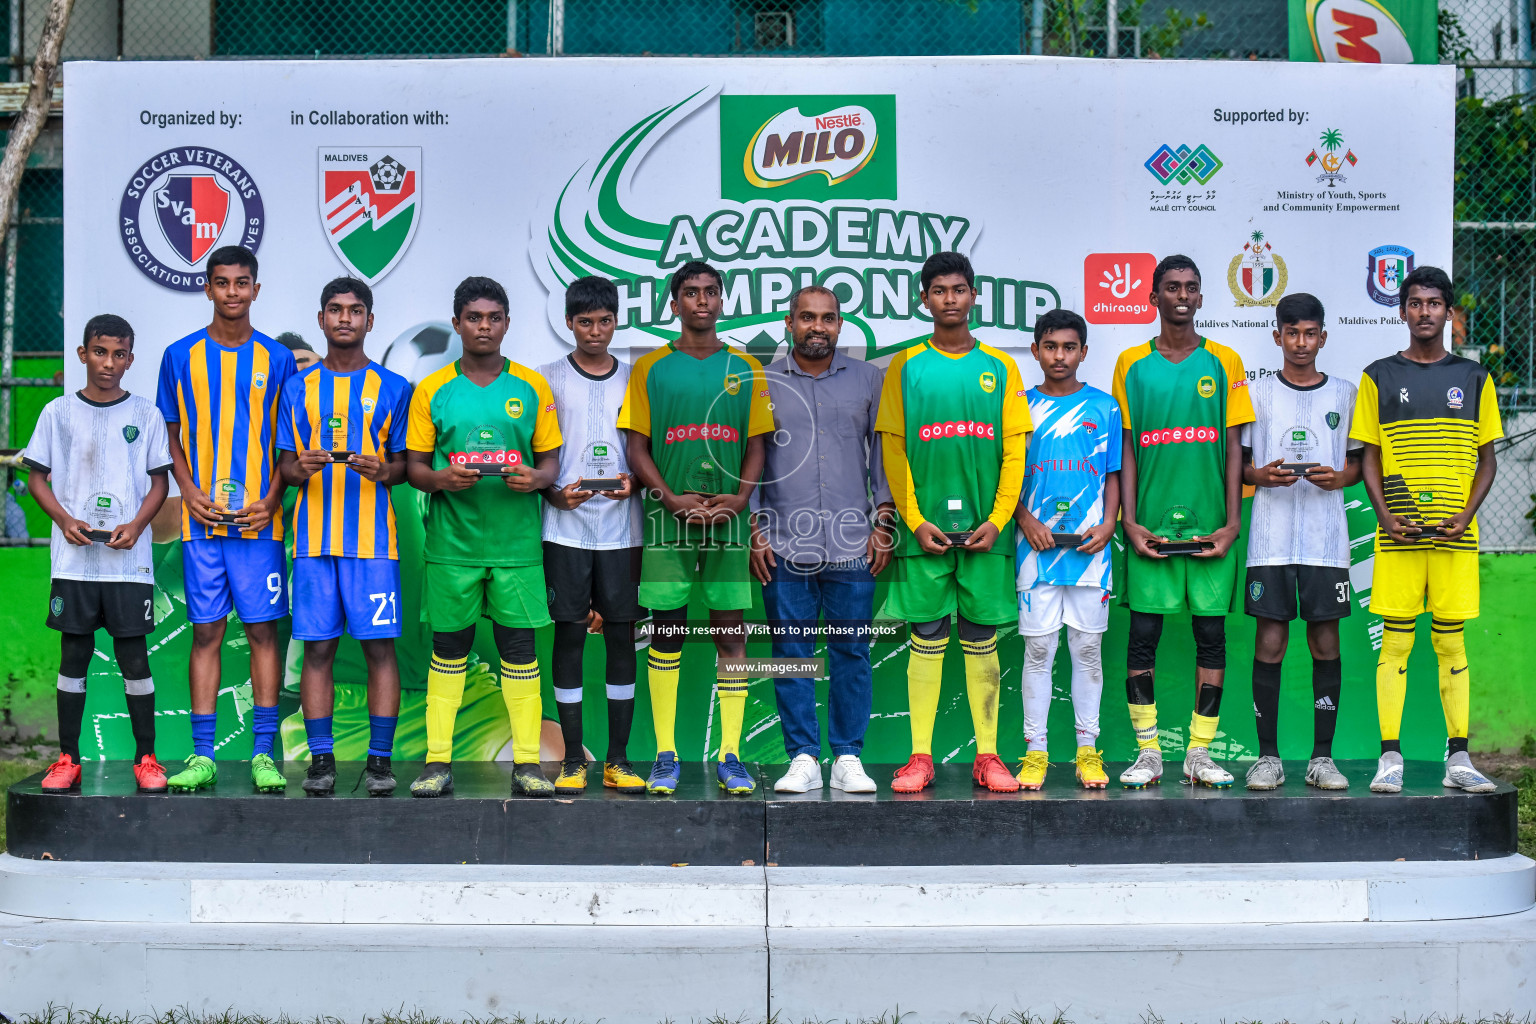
370 203
1183 165
182 204
1385 268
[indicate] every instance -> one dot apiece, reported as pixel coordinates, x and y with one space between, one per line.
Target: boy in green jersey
475 426
696 411
954 425
1181 397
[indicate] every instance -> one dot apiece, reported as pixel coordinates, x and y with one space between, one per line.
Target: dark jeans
797 597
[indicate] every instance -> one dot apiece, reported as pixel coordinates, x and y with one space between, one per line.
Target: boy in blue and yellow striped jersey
218 393
340 437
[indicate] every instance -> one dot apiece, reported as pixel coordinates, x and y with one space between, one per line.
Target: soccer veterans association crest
182 204
370 204
1385 268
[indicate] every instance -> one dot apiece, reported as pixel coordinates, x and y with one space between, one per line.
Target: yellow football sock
925 676
1392 675
662 671
982 689
1144 722
732 691
445 692
1202 729
525 710
1455 688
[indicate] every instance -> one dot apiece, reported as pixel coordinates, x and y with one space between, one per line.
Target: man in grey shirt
821 534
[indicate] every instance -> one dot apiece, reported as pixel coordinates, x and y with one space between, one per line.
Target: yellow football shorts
1402 582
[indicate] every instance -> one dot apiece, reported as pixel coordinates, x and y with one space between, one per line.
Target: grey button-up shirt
823 462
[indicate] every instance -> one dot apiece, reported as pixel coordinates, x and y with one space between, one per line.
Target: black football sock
566 670
71 705
619 646
1327 682
1266 706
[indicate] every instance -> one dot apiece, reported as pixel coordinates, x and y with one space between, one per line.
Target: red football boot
914 776
62 776
150 776
992 773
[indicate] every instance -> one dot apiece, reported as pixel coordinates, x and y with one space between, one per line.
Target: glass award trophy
1405 502
333 438
228 497
1178 527
1299 446
704 476
598 468
103 513
956 519
1065 520
486 453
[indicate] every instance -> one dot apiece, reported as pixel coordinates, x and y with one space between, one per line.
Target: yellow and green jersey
504 423
960 427
1178 415
1428 419
698 414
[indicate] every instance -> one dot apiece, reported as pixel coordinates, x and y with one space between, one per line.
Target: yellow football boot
572 777
1032 769
620 776
1090 768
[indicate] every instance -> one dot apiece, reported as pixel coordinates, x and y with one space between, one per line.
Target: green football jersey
504 423
698 414
955 415
1178 415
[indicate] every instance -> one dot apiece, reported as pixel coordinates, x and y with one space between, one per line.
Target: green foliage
1495 178
1454 44
11 772
1528 746
1165 38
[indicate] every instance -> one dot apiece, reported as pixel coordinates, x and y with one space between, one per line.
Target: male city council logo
1183 165
182 204
1256 276
1331 162
1385 268
370 204
808 147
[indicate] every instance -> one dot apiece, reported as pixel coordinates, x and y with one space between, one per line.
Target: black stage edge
481 823
953 823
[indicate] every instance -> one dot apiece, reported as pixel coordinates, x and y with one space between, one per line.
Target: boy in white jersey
1298 456
592 534
1066 516
99 460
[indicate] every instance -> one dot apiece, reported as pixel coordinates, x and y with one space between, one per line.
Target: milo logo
817 144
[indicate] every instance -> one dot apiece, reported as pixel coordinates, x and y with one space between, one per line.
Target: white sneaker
1459 774
1199 768
1324 774
1267 773
1146 770
1389 774
848 775
803 776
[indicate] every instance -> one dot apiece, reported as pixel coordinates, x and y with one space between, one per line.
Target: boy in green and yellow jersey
696 412
1181 484
954 425
483 441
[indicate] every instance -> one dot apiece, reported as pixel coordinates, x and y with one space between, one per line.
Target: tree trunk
34 112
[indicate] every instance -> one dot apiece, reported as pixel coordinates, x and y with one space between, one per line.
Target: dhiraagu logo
807 147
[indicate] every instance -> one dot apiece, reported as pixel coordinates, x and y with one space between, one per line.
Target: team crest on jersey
367 405
258 380
1206 386
370 201
1333 419
130 433
1453 398
732 383
989 382
1255 590
179 206
515 408
56 606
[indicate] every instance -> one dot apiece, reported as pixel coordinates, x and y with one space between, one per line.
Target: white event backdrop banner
1063 180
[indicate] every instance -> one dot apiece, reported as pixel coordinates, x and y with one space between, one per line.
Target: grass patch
14 771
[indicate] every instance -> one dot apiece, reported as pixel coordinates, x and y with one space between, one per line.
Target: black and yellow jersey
1428 419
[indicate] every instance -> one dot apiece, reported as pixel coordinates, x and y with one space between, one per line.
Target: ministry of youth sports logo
182 204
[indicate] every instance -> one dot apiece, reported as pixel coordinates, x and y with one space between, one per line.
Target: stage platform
952 824
954 904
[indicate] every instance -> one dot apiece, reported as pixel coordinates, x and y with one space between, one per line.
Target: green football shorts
457 596
929 587
1177 583
668 572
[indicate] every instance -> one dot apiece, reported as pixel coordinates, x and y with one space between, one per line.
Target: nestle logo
835 121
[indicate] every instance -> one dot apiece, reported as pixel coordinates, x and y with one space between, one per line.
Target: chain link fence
1490 42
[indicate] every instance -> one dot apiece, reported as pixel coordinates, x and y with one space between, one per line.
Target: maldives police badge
1385 268
370 204
182 204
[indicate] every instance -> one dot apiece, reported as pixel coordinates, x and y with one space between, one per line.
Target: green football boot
528 780
436 779
265 776
200 773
